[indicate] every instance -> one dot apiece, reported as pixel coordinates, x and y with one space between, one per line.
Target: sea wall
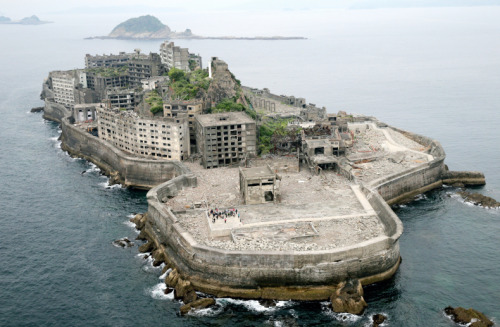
400 187
124 169
54 111
310 275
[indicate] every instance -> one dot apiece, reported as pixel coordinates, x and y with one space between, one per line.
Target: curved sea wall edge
311 275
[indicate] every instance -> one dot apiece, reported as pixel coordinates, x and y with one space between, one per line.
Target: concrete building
143 67
196 59
258 185
225 139
121 97
101 80
85 112
65 84
152 83
321 146
173 56
110 60
164 138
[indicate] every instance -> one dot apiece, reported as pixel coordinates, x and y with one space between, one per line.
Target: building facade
173 56
225 139
154 138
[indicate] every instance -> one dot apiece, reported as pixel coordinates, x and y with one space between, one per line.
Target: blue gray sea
433 71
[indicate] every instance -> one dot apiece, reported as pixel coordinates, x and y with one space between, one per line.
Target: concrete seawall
122 168
308 275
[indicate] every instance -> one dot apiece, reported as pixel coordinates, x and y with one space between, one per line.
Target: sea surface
432 71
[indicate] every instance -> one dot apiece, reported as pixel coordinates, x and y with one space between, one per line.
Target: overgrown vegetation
230 105
192 64
186 86
109 71
155 101
272 130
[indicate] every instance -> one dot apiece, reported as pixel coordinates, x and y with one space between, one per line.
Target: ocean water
433 71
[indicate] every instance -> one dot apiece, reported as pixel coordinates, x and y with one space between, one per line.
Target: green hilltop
141 24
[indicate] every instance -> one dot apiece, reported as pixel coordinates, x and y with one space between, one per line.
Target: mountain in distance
150 28
33 20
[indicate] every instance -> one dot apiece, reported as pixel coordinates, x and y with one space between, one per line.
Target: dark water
432 71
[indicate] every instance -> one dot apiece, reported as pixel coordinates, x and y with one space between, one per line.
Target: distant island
150 28
33 20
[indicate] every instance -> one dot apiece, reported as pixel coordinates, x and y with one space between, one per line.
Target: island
33 20
252 194
151 28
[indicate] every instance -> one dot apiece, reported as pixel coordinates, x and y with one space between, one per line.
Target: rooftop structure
258 185
111 60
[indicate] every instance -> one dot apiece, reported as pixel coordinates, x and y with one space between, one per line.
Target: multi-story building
111 60
225 138
174 56
101 79
64 84
144 67
122 98
164 138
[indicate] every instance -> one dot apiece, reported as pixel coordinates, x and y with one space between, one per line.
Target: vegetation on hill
187 86
141 24
155 101
269 131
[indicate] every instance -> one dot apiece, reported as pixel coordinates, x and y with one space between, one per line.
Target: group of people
217 214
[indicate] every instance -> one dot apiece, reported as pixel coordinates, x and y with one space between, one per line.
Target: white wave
157 292
207 312
254 305
342 317
163 276
93 168
110 187
420 197
130 224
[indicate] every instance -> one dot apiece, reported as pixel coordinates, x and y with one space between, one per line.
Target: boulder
349 298
158 257
479 199
168 290
471 317
189 297
123 242
267 303
142 236
378 319
172 278
198 304
182 288
147 247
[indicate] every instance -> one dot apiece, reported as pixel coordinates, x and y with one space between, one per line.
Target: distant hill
143 27
149 28
33 20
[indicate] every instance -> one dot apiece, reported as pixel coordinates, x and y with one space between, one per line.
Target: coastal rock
349 298
198 304
158 257
267 303
142 236
147 247
168 290
185 291
378 319
479 199
123 242
468 316
172 278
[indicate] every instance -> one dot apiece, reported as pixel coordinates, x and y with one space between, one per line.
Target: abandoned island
251 194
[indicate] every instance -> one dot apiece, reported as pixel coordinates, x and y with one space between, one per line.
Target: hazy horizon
18 10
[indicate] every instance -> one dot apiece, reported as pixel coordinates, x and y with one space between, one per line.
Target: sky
23 8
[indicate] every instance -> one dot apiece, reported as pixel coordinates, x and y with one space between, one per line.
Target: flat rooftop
226 118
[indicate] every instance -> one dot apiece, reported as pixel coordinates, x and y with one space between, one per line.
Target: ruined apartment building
174 56
122 98
225 138
259 185
64 85
164 138
110 60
